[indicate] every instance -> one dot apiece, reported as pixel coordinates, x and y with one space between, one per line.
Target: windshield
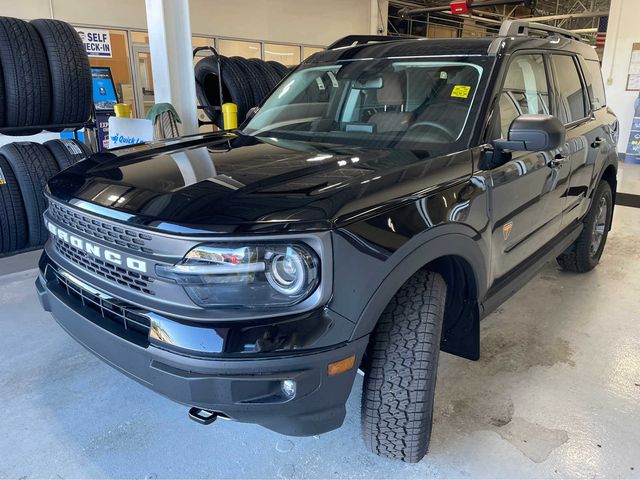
375 103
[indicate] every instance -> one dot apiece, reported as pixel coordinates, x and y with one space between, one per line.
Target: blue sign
633 146
102 123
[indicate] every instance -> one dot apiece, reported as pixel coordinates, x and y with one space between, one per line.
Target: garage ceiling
569 14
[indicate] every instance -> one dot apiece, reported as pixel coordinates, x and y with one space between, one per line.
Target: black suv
384 198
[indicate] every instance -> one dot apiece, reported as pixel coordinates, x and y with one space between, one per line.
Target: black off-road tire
400 370
3 120
13 225
25 75
33 166
254 79
280 69
67 151
270 76
69 70
235 87
579 257
206 73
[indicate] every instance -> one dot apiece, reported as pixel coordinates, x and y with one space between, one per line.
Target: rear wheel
584 254
400 370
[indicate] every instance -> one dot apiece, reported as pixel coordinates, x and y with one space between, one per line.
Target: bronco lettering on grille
96 250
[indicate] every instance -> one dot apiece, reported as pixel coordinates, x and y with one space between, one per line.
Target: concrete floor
629 178
555 394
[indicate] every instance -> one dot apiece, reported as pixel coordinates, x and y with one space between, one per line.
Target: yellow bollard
230 116
122 110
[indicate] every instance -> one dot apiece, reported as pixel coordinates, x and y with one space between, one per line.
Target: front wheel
584 254
400 370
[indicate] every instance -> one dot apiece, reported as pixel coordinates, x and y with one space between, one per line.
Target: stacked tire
25 168
45 84
45 77
245 82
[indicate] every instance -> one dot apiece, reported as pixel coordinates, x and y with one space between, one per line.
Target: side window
572 95
525 90
593 74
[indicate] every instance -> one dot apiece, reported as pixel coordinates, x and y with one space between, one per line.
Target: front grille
98 228
114 273
125 318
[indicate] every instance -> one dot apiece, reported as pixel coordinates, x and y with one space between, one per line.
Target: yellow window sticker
461 91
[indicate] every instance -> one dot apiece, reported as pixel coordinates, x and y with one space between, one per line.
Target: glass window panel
525 90
308 51
202 42
120 67
595 84
145 76
140 37
571 91
372 100
286 54
237 48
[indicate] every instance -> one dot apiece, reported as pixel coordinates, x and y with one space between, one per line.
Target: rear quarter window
595 85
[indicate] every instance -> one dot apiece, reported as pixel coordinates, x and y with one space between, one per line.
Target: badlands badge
506 230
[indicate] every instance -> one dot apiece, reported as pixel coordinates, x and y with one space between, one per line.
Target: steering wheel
426 123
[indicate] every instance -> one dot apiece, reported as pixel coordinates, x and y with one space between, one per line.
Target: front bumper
244 389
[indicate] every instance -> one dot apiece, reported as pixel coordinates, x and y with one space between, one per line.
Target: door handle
557 161
597 142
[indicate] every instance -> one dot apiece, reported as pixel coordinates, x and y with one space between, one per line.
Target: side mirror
533 133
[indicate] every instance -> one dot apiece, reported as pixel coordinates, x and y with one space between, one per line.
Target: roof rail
351 40
520 28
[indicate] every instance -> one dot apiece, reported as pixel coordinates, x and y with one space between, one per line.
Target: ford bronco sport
384 198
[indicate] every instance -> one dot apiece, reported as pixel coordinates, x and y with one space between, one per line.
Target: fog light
289 388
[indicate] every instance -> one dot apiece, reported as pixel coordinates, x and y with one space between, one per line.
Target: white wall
623 31
317 22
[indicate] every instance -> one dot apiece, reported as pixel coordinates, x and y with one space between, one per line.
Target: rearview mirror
369 83
533 133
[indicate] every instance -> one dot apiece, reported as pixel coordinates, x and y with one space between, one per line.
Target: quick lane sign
97 43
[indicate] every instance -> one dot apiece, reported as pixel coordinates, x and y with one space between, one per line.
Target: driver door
527 193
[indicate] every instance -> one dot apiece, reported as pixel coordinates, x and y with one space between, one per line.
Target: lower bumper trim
246 390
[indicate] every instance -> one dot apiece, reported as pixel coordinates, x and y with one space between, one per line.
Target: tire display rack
45 85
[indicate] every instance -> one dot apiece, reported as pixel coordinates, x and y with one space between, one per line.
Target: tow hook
203 417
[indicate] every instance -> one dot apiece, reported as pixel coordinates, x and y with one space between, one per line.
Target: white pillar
622 33
171 58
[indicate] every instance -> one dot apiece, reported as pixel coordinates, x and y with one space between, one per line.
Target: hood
231 183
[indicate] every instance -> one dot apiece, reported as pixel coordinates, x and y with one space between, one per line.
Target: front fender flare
411 257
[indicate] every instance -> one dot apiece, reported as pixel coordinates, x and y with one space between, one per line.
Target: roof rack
351 40
520 28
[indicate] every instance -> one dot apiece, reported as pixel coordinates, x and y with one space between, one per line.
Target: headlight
249 276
